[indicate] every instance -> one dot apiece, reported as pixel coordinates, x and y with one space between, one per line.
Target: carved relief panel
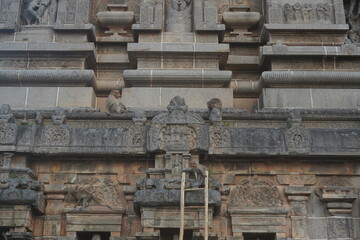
305 12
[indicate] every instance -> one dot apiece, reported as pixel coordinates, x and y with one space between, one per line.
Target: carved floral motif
57 136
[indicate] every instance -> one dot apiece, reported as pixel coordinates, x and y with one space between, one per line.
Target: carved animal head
214 103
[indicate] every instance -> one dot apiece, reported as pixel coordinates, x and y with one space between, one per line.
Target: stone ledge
47 77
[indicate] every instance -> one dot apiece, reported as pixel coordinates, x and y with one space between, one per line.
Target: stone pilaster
298 197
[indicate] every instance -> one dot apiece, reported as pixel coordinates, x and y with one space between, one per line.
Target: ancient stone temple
179 119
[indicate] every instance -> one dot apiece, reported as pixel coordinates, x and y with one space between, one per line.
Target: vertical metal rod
182 206
206 225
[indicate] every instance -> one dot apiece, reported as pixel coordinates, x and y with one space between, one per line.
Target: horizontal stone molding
328 51
205 48
188 77
46 47
325 79
307 27
47 77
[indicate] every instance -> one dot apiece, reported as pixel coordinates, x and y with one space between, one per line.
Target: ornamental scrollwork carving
254 193
8 128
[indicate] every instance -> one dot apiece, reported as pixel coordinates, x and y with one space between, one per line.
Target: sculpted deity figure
114 104
307 12
179 16
322 11
298 12
289 13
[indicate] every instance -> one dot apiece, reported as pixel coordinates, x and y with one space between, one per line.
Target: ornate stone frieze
254 193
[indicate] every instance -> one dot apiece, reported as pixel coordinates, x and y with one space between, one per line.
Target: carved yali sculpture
179 14
178 130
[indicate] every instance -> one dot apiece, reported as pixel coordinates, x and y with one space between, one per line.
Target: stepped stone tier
105 104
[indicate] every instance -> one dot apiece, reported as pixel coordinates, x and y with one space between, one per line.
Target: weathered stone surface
47 97
160 97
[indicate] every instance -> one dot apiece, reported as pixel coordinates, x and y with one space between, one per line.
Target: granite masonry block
310 98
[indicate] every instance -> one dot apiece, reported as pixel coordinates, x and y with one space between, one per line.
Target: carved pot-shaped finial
241 21
116 21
